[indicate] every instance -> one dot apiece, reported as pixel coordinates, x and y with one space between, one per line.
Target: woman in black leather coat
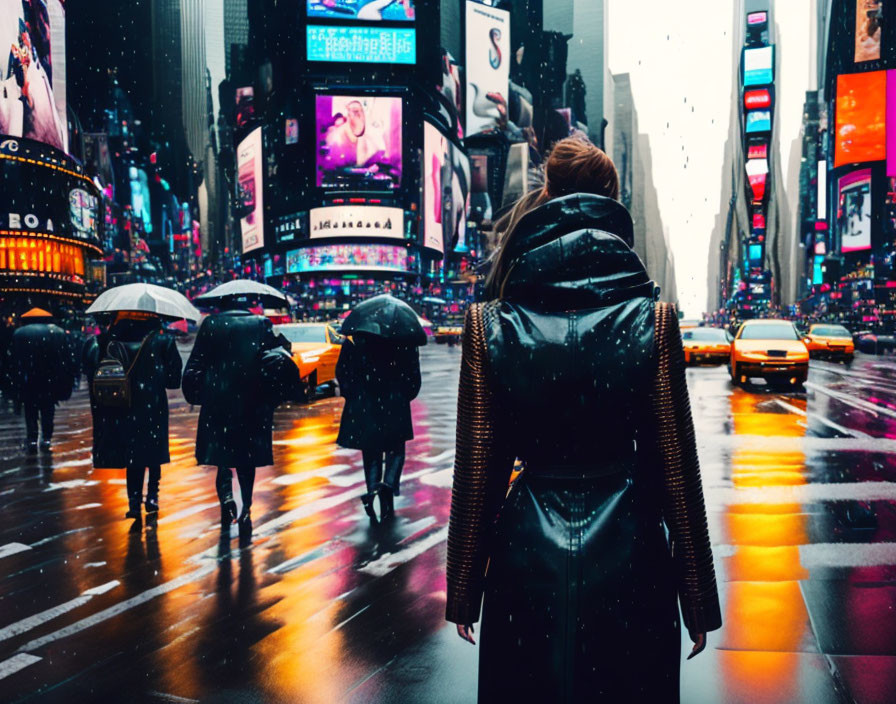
574 369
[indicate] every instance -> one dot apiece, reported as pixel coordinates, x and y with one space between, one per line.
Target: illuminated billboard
860 134
245 105
759 66
869 28
758 221
854 211
446 189
348 257
754 253
365 10
759 98
757 186
755 19
140 197
366 45
32 71
356 221
755 167
759 121
359 141
249 185
46 194
757 150
891 123
488 66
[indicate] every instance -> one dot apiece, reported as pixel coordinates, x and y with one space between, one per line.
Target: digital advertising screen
869 28
854 211
348 257
446 191
358 44
356 221
756 167
891 123
755 19
32 71
754 252
759 66
758 221
245 105
757 186
249 190
290 131
364 10
759 121
45 193
861 110
488 66
758 98
358 141
290 228
757 150
140 197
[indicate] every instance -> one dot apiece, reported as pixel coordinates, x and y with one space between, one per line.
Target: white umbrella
147 298
244 288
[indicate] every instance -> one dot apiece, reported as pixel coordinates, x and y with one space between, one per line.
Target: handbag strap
137 356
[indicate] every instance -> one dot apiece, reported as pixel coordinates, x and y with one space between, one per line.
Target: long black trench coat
378 381
137 435
39 365
235 425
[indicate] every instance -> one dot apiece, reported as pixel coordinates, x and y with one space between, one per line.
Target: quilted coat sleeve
683 506
482 469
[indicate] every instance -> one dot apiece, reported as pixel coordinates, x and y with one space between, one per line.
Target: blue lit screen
372 45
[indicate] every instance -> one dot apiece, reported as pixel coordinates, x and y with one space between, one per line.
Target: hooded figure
135 437
235 423
576 370
40 372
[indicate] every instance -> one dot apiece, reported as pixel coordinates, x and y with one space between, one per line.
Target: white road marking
12 549
818 555
861 404
17 662
803 493
39 619
390 561
193 510
86 506
821 419
71 484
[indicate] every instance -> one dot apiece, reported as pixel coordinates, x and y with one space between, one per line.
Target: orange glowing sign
861 118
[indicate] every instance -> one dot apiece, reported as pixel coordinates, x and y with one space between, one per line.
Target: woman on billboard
575 369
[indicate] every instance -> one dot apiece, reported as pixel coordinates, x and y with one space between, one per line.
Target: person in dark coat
235 425
575 369
378 380
135 437
40 373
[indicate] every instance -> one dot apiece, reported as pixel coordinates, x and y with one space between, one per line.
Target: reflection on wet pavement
324 607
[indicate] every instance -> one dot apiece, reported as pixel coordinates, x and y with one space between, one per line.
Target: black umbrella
268 296
388 318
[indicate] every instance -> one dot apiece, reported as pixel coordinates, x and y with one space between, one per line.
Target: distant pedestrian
40 373
134 434
573 368
378 379
235 423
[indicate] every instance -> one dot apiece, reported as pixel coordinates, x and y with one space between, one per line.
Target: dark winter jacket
235 425
378 381
138 434
39 365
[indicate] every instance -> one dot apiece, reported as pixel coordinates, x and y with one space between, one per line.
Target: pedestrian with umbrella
129 369
223 375
40 373
379 375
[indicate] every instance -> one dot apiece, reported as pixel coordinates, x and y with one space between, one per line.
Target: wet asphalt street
801 493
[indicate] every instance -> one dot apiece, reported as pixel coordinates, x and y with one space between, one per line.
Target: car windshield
768 331
830 331
303 333
705 335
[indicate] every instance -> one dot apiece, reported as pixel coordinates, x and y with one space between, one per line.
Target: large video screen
891 122
759 66
356 221
759 121
359 44
32 71
358 141
249 185
854 211
861 118
488 66
367 10
446 190
869 28
140 201
347 257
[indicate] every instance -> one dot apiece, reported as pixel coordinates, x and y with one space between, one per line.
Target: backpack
112 382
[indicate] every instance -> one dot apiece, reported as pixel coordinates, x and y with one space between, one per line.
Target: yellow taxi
315 350
830 341
769 349
703 345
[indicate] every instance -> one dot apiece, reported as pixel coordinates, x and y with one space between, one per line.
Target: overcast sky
680 58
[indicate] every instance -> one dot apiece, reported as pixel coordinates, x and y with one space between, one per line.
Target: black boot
367 500
152 491
245 525
387 503
228 512
133 509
